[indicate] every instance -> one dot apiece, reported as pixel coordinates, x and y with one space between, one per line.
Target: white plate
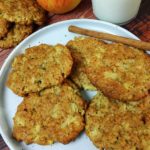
52 34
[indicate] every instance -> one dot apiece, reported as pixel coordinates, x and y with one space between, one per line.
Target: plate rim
6 61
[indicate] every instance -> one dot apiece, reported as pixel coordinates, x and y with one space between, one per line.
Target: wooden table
139 26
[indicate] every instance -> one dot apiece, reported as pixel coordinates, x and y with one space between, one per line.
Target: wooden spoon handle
106 36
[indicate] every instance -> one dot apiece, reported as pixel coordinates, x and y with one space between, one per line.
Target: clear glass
116 11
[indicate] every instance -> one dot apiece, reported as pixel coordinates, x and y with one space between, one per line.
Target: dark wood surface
140 26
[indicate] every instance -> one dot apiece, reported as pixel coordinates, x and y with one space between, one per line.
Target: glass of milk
116 11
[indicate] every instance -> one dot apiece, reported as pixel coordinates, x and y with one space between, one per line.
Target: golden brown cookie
53 115
117 125
4 25
40 67
121 73
22 11
15 35
80 49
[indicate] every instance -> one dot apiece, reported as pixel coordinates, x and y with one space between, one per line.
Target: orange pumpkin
58 6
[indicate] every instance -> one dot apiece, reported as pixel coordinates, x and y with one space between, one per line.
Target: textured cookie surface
116 125
121 73
40 67
4 24
81 48
22 11
15 35
53 115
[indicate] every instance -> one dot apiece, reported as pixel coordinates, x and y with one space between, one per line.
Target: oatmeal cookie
52 115
117 125
122 72
15 35
23 12
40 67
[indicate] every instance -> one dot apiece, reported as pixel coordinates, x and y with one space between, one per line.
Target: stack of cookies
52 110
17 18
118 117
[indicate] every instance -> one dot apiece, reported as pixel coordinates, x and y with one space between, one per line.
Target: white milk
116 11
